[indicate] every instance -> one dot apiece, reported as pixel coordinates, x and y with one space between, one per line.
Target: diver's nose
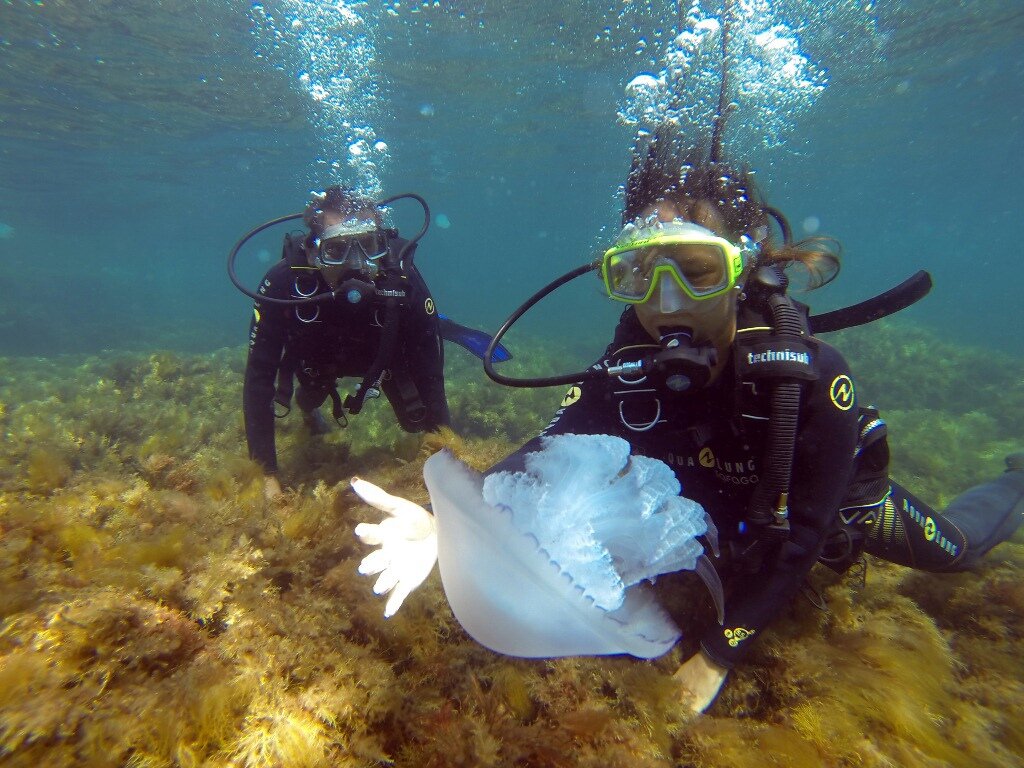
671 298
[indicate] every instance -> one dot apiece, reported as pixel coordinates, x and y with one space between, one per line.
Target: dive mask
681 255
355 245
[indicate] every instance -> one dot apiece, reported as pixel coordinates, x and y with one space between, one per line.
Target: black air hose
782 424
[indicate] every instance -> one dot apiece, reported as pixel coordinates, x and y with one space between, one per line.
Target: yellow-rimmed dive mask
353 245
679 255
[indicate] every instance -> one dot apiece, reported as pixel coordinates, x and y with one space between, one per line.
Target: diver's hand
271 487
701 680
407 541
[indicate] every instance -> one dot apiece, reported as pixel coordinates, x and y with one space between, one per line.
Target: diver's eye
702 266
334 253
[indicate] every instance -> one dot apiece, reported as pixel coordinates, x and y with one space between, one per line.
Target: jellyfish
555 560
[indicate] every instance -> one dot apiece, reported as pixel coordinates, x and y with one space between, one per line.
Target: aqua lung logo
740 472
737 635
931 530
574 394
780 356
841 392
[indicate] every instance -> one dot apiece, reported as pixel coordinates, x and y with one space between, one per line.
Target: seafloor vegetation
156 611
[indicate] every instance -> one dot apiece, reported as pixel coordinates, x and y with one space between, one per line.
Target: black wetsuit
714 440
320 343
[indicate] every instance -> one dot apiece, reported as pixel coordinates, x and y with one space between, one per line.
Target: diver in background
758 419
348 250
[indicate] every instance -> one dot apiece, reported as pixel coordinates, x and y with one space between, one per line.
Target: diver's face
352 252
712 320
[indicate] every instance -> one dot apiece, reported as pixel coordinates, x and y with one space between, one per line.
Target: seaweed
157 610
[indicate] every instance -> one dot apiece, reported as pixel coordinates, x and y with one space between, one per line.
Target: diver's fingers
394 505
397 597
375 562
376 496
387 580
369 533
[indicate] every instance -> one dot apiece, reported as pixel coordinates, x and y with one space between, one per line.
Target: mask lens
355 250
626 277
334 252
374 244
702 266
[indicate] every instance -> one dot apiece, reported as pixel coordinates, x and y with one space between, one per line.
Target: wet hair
719 197
343 200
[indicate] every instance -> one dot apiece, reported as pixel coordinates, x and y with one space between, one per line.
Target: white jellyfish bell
551 561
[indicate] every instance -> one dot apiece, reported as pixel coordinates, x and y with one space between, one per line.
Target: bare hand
700 680
271 487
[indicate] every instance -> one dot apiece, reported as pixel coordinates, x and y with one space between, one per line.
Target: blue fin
472 340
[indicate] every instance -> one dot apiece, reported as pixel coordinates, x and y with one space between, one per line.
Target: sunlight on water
330 49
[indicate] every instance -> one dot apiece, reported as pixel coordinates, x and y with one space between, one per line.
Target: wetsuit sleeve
268 331
822 465
424 352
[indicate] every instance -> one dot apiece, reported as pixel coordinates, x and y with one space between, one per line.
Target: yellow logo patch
706 457
738 635
256 314
574 394
841 392
428 305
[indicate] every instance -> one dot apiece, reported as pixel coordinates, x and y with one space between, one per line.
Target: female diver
758 419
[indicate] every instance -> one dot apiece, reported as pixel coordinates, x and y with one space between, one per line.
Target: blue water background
140 140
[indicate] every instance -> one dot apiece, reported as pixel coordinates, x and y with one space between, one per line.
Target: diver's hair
666 170
719 197
343 200
819 256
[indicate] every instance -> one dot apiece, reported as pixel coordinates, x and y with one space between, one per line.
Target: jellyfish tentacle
706 570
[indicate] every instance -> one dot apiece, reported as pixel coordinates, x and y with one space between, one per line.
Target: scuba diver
716 371
345 300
